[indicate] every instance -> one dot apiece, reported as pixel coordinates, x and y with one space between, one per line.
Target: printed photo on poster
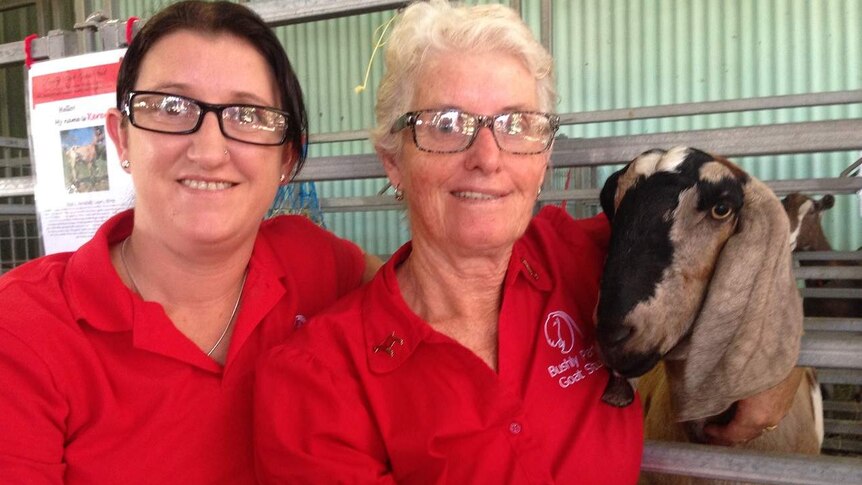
85 164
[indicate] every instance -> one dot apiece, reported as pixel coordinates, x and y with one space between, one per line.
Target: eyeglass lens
167 113
453 131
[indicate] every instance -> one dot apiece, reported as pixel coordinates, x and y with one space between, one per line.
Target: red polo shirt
333 406
98 386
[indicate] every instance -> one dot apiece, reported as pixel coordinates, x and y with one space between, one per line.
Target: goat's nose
619 335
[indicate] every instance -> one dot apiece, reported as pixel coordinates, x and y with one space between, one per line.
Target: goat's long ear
825 203
752 313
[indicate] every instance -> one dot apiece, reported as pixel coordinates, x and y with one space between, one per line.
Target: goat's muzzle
613 339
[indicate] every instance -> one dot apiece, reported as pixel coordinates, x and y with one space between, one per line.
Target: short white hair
427 29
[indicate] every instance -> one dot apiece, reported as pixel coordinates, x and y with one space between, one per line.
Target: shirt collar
96 293
393 332
529 263
98 296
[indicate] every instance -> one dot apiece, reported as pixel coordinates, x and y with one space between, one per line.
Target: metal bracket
852 170
88 28
113 33
55 45
92 22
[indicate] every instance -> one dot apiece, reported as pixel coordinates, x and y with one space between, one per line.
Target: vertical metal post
110 8
56 14
545 39
85 41
81 10
40 17
13 236
61 43
5 121
546 12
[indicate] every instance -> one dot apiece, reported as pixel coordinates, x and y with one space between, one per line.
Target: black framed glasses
181 115
453 131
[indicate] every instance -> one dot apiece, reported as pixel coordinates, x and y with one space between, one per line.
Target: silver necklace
232 313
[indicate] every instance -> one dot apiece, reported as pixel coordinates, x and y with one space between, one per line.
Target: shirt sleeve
312 424
32 417
324 266
350 262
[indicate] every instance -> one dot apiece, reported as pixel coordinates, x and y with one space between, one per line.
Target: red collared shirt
98 386
369 393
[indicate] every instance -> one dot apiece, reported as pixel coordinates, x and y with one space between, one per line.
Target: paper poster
79 181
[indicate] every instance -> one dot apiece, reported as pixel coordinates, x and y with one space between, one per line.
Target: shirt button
515 428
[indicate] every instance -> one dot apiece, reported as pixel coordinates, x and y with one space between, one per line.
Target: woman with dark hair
131 360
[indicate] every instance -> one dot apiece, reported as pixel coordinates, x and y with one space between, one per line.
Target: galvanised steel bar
727 463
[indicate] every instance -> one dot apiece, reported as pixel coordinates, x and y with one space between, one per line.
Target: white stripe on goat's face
671 160
796 222
803 212
667 233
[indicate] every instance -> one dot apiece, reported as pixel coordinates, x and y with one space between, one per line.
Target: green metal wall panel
330 58
631 53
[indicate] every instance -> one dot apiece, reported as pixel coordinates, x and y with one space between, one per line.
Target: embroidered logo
580 358
561 331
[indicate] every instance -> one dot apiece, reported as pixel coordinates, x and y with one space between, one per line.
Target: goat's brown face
806 233
667 232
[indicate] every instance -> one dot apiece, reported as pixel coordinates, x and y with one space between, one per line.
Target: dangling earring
126 163
538 192
399 194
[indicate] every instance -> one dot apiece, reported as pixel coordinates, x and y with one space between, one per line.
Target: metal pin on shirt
530 269
388 343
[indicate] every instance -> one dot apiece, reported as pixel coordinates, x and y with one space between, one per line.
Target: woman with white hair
471 357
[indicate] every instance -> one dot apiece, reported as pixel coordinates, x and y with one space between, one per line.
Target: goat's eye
721 211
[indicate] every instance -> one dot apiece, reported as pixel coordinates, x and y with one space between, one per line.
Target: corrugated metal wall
630 53
330 58
615 54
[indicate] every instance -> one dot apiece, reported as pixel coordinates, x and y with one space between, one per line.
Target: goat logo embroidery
580 359
560 331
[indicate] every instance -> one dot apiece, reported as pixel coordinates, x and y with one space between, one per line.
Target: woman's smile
210 186
476 196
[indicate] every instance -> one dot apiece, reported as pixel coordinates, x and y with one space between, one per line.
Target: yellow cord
377 45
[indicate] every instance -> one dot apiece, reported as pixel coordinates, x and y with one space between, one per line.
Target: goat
89 155
699 274
804 214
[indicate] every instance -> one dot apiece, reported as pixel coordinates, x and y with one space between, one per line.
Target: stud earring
281 178
399 194
125 163
226 153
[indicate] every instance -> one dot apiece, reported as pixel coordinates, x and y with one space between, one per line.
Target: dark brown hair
230 18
